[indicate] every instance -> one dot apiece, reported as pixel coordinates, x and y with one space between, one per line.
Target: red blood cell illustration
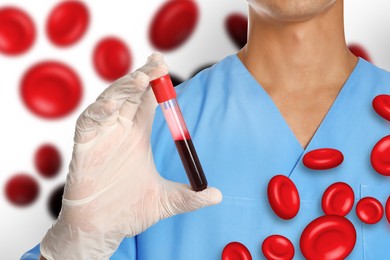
381 105
338 199
388 210
323 159
55 201
47 160
359 51
21 189
278 247
369 210
17 31
173 24
237 28
328 237
236 251
283 197
51 89
67 23
380 156
112 58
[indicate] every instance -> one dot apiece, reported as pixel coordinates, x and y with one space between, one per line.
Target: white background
21 132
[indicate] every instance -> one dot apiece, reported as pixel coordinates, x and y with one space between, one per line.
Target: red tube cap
163 88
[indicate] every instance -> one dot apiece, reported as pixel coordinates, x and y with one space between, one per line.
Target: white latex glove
113 189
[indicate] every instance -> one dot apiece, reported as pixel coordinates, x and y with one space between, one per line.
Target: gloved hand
113 189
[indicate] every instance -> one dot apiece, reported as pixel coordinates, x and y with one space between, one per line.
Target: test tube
166 97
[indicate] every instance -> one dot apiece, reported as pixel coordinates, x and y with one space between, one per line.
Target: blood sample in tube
166 97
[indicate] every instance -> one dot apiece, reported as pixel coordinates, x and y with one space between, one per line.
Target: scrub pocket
376 237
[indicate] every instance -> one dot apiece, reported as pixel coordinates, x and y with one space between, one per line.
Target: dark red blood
380 156
388 210
278 247
47 160
369 210
323 159
381 105
328 237
17 31
191 164
112 58
338 199
55 201
67 23
283 197
359 51
236 251
51 89
21 189
237 28
173 24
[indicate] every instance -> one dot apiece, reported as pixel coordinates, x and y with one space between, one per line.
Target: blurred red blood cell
323 159
111 58
175 79
369 210
67 23
328 237
51 89
278 247
388 209
55 201
283 197
47 160
17 31
381 105
21 189
380 156
359 51
338 199
173 24
237 28
236 251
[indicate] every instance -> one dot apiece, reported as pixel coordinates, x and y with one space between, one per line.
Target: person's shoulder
374 73
207 77
32 254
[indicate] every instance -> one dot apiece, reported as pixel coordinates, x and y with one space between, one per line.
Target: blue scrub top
242 141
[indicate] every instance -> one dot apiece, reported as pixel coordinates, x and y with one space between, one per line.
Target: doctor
295 87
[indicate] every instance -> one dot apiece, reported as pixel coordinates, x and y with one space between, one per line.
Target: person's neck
298 56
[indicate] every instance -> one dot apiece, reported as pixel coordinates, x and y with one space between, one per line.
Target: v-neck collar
343 93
